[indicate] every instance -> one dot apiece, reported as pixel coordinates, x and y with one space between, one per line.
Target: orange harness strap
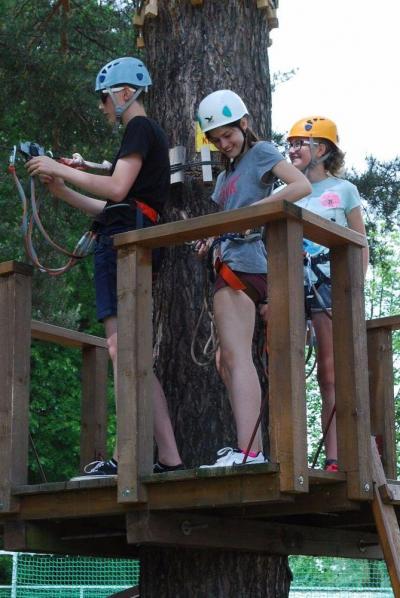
229 276
151 213
234 281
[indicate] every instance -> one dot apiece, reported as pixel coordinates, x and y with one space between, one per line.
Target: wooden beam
71 503
381 392
389 322
42 331
287 405
135 373
318 229
390 493
386 522
51 537
351 370
15 318
13 267
200 531
94 405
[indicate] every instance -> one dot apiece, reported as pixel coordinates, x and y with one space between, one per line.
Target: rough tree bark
192 51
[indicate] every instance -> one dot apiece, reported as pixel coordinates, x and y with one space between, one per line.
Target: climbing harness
216 266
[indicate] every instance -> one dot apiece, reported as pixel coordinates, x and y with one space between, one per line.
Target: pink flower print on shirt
330 199
227 190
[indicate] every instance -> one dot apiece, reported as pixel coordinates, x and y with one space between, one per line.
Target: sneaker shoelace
224 452
93 466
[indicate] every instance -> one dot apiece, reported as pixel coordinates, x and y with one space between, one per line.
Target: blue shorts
105 273
314 304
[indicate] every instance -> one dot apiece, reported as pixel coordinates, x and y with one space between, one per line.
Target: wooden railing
17 330
286 226
381 389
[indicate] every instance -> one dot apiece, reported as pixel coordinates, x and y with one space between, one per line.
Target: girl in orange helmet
314 150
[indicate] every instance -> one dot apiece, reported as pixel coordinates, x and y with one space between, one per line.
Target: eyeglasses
106 92
297 144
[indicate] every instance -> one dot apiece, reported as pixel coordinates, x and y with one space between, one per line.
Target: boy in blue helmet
133 196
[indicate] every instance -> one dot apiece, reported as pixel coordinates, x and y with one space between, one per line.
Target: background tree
192 51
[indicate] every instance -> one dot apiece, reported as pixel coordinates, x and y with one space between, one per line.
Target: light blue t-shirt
241 187
331 198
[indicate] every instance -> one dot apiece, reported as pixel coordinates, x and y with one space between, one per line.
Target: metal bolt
126 492
366 487
300 479
187 527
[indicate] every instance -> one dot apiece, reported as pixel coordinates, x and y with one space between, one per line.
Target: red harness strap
229 276
147 211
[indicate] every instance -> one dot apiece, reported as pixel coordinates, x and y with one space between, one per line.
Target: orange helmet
315 127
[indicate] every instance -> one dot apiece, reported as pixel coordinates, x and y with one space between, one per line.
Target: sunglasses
106 92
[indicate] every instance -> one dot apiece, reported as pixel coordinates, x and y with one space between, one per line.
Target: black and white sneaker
98 469
162 468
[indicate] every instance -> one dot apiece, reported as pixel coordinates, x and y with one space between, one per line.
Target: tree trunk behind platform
190 52
181 573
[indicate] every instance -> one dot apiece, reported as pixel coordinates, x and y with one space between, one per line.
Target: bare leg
235 316
326 378
163 431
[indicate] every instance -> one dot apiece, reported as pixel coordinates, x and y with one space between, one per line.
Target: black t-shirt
145 137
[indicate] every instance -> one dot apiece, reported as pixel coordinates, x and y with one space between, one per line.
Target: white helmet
219 109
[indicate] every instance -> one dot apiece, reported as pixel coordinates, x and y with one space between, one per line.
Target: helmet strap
119 110
314 160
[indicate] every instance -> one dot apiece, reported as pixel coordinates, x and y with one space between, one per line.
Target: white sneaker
229 456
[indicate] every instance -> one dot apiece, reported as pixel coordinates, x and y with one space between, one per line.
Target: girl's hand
201 247
43 165
55 185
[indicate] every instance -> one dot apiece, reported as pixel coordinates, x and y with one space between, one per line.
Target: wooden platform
241 508
282 507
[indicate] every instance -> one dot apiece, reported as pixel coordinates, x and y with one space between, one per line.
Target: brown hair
250 138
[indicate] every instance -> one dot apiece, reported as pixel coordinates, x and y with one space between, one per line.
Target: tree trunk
180 573
192 51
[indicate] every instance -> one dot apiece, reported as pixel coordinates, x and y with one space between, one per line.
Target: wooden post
135 372
381 391
386 522
94 404
15 326
351 370
288 430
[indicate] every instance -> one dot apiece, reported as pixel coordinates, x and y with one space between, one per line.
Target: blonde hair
334 164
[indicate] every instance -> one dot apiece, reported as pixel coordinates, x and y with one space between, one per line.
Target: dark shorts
316 304
257 281
105 273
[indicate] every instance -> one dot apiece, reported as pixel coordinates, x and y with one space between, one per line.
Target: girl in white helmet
314 150
250 167
132 196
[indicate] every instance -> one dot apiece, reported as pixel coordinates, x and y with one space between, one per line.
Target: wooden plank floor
188 489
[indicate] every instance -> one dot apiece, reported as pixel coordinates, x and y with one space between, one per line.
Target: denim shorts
105 273
315 305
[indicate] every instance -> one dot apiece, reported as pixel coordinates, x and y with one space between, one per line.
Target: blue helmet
123 71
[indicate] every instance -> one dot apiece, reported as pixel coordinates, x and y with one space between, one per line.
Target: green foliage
310 572
5 569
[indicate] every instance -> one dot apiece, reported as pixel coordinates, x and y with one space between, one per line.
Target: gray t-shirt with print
241 187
